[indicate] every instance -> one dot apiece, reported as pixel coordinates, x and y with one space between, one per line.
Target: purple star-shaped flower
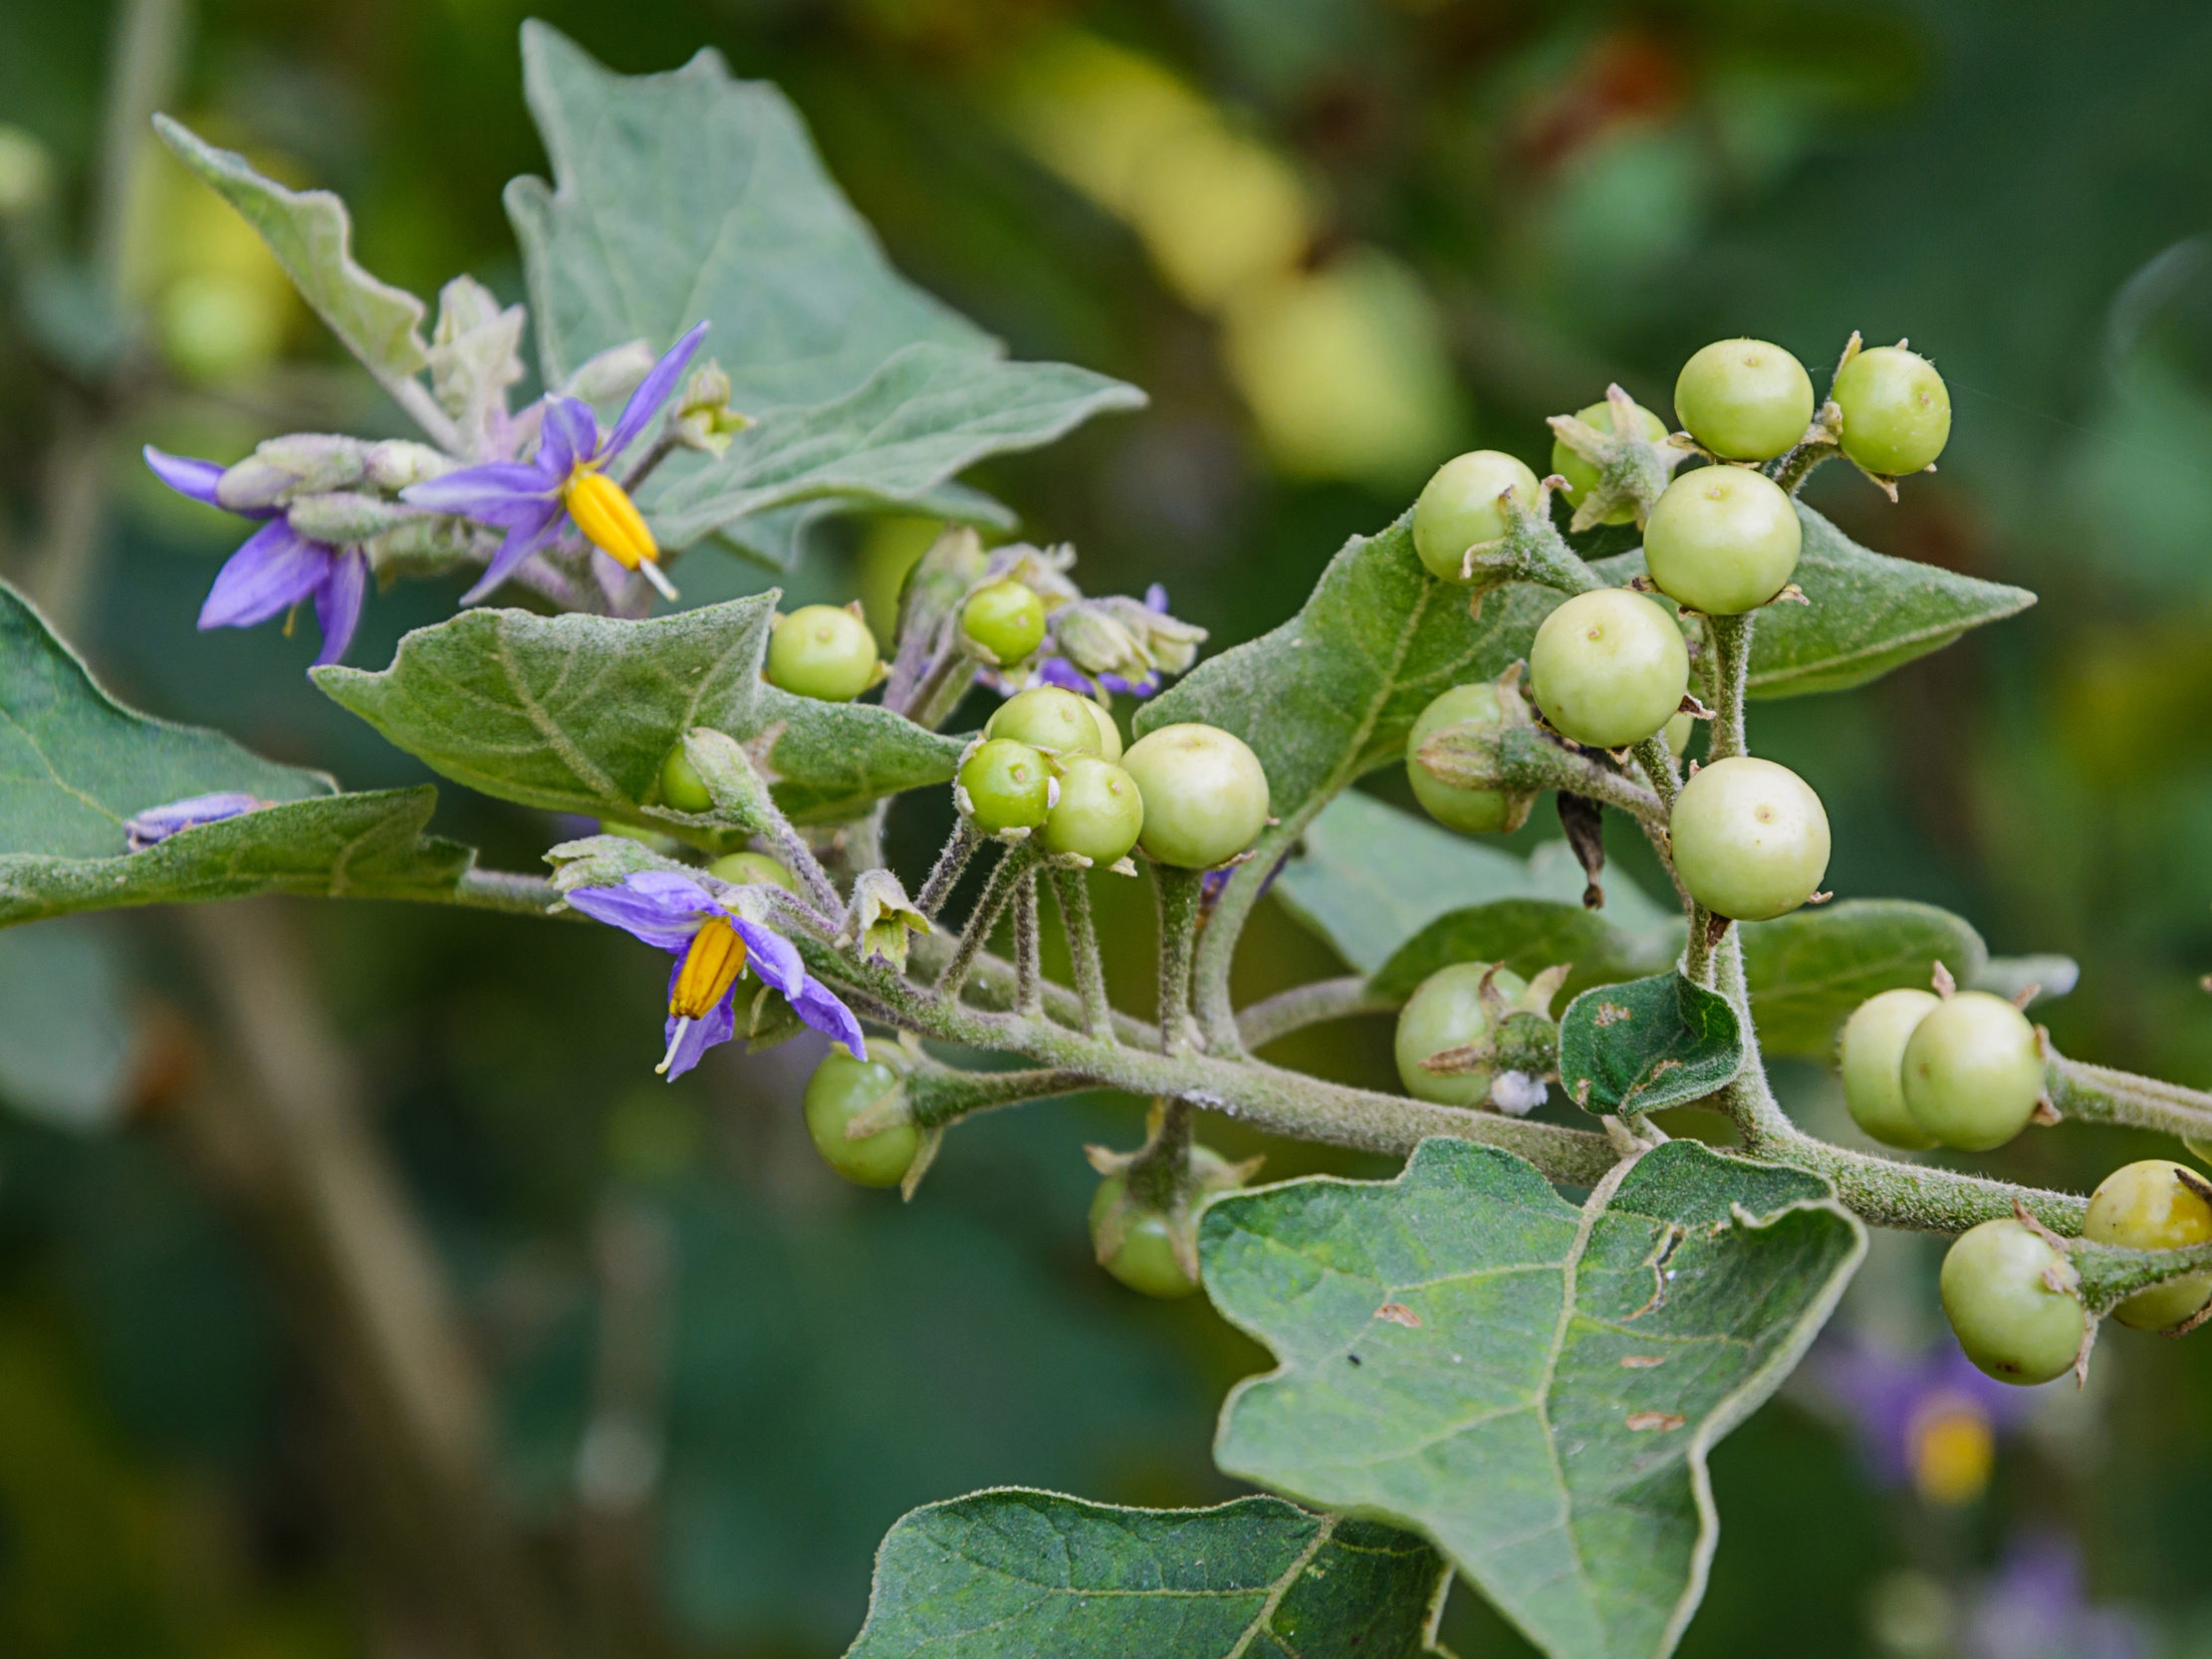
276 568
533 500
667 910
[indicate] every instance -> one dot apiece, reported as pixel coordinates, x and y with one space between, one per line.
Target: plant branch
939 1095
1729 639
1029 971
951 864
1014 864
1310 1005
1180 893
2098 1094
1524 760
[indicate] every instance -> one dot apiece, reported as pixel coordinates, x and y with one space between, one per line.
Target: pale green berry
1608 668
1996 1287
1973 1072
1750 838
1722 540
1459 506
1872 1054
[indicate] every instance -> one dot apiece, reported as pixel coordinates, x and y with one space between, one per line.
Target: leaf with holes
1011 1573
1535 1386
575 714
1647 1044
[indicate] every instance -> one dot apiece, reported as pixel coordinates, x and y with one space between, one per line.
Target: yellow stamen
609 519
710 968
1952 1451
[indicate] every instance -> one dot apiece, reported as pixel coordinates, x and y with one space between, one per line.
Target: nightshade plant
1508 1362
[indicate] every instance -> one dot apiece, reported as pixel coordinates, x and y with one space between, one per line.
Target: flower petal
1058 671
188 477
501 492
523 539
158 823
572 435
272 571
652 392
337 604
818 1005
770 956
718 1025
1155 599
658 906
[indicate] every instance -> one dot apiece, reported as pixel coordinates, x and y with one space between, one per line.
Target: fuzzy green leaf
1535 1387
1809 970
1528 935
691 197
311 235
1011 1573
1647 1044
895 441
575 714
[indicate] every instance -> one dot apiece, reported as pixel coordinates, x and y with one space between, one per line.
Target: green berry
1973 1072
753 869
1678 732
1722 540
1145 1259
1896 410
1872 1054
1007 619
1447 1013
1459 506
1110 735
681 786
1099 813
823 652
841 1089
2146 1206
1581 476
1008 785
1608 668
1744 399
2008 1319
1205 794
1750 838
1048 718
1471 810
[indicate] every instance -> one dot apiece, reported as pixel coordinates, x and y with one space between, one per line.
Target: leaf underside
1535 1387
1014 1573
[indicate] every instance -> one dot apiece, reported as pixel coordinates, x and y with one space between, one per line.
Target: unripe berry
823 652
1447 1013
2147 1206
1582 475
1007 619
1678 732
1048 718
755 869
841 1089
1722 540
1608 668
1205 794
1459 506
1872 1054
1473 810
1008 785
1973 1072
1744 399
2008 1319
1145 1259
1110 735
681 786
1750 838
1100 813
1896 410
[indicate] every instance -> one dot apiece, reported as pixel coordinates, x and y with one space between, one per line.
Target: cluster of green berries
2009 1291
1051 762
1919 1071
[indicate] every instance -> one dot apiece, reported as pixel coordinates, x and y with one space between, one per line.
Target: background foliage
1387 231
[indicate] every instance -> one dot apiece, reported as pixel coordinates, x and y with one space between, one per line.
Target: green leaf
1809 970
1867 614
575 714
1536 1387
690 197
75 765
1011 1573
309 233
895 441
1369 878
1528 935
1647 1044
779 538
365 845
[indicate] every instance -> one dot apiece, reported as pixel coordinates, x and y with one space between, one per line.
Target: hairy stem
1311 1005
2098 1094
1013 865
1180 892
1729 638
951 864
937 1096
1029 998
1074 896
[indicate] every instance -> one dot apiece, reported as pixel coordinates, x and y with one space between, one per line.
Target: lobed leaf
1809 970
1010 1573
1533 1386
1646 1044
575 714
311 235
895 441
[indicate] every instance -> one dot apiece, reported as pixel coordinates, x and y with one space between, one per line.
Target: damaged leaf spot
1642 1422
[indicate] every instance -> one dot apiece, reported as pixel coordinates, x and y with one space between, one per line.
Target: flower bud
390 466
302 463
475 356
614 373
703 418
340 517
881 919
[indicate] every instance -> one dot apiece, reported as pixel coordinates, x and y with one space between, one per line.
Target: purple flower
564 482
2035 1607
713 945
1928 1420
277 568
158 823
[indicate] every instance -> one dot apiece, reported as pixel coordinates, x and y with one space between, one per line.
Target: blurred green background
1337 241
